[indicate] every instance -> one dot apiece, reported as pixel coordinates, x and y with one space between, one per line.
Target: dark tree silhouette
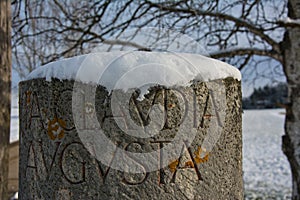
5 78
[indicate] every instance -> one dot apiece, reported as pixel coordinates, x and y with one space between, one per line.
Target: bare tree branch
221 16
247 51
289 23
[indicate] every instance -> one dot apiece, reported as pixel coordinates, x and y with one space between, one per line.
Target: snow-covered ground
14 123
266 170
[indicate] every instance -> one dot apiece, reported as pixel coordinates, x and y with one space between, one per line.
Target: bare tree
240 32
5 77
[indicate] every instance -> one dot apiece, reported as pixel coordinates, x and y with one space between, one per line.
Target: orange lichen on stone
207 116
28 94
189 164
198 153
171 105
173 165
56 128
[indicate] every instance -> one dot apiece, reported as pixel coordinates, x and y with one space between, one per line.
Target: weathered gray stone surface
55 162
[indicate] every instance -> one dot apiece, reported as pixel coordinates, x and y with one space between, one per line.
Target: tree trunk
5 82
291 63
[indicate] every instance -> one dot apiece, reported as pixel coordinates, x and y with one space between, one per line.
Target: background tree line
267 97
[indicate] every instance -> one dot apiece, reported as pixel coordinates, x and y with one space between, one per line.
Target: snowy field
14 116
266 170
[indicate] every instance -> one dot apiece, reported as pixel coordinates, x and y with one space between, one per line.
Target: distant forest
267 97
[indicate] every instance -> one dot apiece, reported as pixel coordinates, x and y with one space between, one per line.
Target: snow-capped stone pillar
138 125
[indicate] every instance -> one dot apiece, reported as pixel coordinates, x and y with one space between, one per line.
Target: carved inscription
66 156
73 166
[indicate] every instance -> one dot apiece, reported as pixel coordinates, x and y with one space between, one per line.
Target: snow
133 69
266 169
288 20
14 116
16 196
14 125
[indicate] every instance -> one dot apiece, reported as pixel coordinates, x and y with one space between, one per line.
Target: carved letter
161 175
31 164
34 111
144 178
35 160
72 164
103 173
190 164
